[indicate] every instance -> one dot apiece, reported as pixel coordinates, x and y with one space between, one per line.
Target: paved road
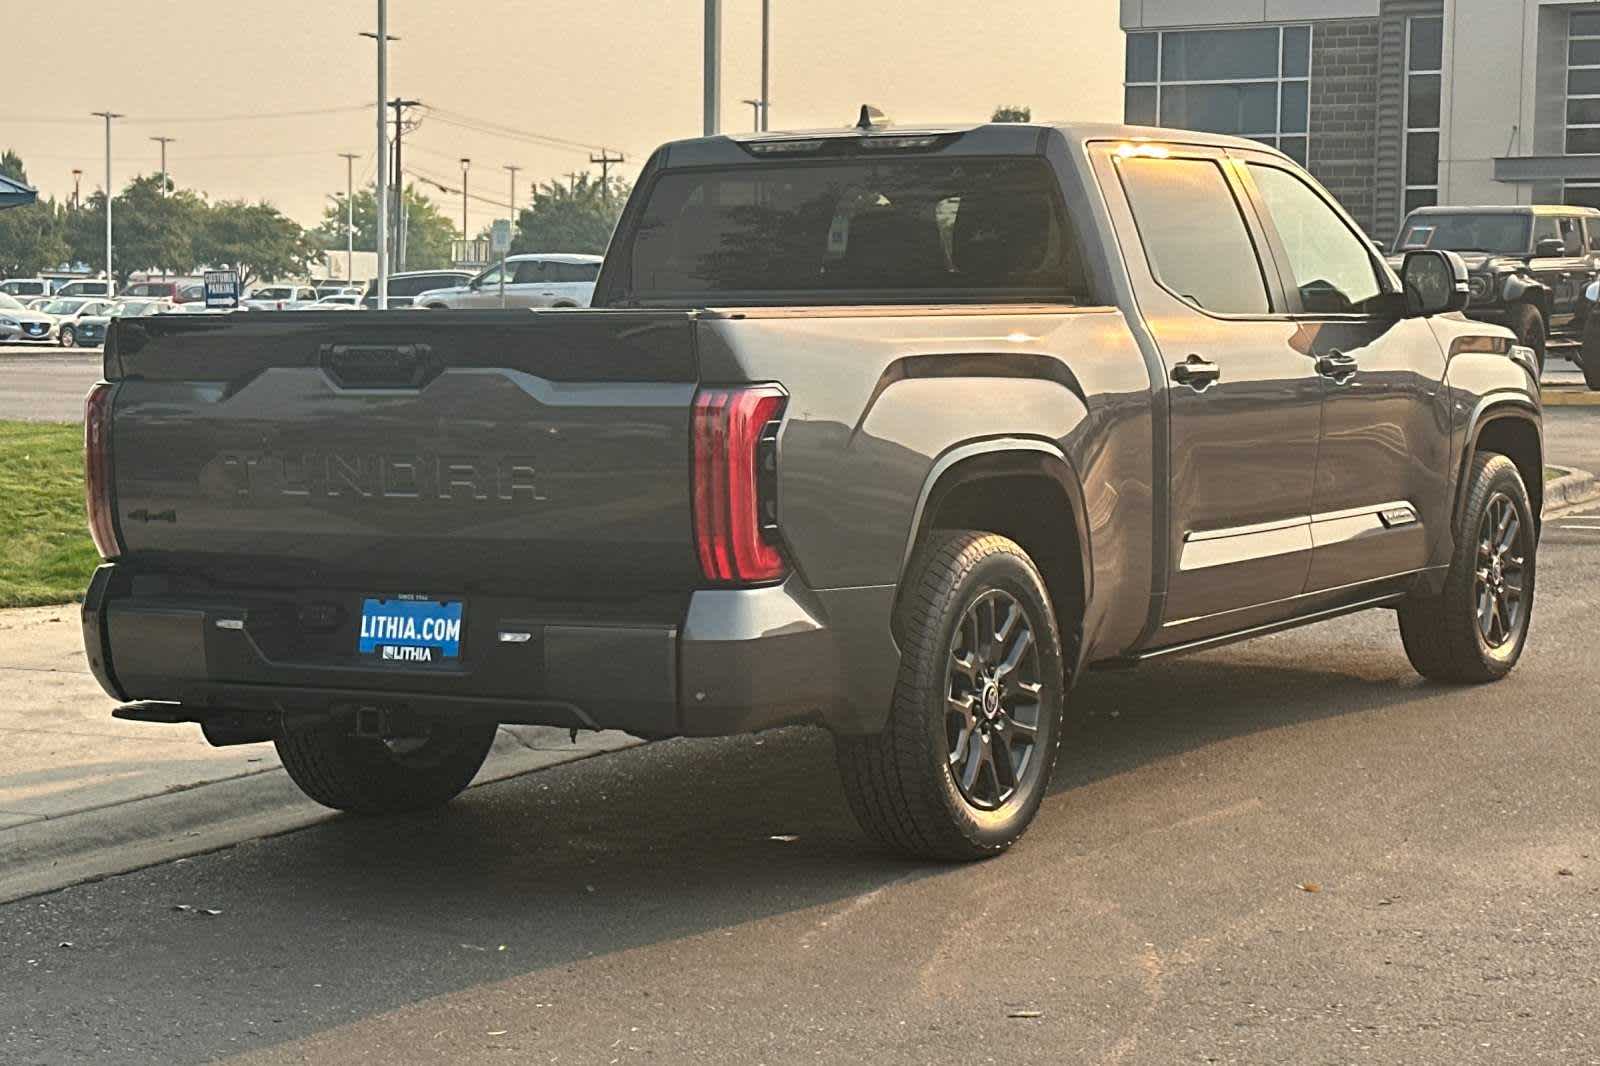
1290 851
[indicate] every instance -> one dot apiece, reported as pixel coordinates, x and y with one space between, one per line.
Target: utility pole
164 142
572 180
755 108
349 215
111 285
400 242
77 188
713 68
466 164
513 201
606 160
766 67
382 38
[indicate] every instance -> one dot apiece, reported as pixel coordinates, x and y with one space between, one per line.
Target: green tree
428 230
571 218
150 232
1012 113
32 238
256 239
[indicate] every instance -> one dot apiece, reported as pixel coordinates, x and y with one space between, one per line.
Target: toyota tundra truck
890 431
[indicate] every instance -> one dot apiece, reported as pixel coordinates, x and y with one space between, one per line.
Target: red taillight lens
735 505
97 471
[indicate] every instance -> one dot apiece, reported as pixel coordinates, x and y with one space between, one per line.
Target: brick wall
1344 114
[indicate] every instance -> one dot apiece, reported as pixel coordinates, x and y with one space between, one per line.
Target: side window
1544 229
532 272
1333 268
575 271
1193 234
1572 235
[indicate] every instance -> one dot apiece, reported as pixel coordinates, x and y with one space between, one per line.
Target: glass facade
1583 83
1424 66
1254 82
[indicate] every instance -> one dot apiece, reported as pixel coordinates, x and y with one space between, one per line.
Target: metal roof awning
1546 167
15 194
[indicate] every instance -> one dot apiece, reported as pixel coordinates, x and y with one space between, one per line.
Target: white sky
621 73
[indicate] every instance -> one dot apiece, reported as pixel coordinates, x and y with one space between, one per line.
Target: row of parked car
72 321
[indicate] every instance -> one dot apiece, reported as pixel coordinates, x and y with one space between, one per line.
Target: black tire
367 776
68 337
902 783
1591 350
1527 322
1445 636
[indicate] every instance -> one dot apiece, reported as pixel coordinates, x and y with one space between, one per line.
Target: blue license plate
405 629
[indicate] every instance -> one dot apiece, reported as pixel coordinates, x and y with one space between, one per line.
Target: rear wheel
1527 322
1475 629
369 776
965 758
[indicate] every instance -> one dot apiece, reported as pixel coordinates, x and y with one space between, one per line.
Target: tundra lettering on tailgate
506 478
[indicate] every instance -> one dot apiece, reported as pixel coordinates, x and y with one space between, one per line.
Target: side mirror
1435 282
1550 247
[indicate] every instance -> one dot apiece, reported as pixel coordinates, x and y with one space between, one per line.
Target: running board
1123 662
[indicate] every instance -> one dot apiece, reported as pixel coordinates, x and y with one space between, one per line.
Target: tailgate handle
379 366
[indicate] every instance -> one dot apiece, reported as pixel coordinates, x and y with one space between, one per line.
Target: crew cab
1528 265
890 431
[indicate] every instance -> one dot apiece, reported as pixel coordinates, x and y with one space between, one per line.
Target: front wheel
1527 322
962 764
68 337
370 776
1475 629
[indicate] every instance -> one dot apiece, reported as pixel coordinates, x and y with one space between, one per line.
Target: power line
68 120
495 129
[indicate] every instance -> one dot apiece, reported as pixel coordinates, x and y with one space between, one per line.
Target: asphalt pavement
1288 851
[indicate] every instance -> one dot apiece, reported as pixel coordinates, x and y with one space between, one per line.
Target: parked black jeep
1529 265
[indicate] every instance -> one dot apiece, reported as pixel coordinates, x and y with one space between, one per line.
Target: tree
31 238
428 231
1012 113
571 218
256 239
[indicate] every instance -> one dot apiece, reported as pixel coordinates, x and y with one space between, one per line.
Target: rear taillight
735 483
97 471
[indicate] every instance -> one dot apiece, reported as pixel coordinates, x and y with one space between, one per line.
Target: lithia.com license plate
410 629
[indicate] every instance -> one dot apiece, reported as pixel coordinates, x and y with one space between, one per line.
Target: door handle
1196 373
1336 365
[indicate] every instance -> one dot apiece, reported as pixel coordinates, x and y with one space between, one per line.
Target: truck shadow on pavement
521 879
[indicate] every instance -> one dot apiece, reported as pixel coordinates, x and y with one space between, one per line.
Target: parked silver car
542 280
68 310
17 323
91 329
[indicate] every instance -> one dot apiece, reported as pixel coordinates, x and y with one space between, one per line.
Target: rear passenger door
1383 469
1565 272
1245 403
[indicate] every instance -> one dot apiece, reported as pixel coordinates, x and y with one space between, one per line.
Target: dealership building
1390 103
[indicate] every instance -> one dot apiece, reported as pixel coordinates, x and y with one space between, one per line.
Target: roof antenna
872 118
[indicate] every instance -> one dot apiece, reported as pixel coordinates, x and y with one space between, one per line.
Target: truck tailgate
528 454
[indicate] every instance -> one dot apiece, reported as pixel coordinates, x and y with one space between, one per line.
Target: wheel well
1031 507
1518 440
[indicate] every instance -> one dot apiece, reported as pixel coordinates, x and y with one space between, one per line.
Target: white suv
543 280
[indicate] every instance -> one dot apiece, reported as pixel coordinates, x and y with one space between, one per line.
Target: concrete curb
1575 486
1568 396
52 853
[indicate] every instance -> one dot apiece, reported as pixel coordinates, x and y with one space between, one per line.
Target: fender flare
1050 460
1519 288
1495 407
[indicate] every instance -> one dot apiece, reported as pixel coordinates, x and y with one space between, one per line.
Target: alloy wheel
1499 578
994 702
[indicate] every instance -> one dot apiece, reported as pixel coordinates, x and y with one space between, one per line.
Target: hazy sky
621 73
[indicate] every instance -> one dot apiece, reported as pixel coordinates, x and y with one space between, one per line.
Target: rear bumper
738 661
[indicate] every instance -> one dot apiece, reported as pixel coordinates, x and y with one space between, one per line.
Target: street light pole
382 37
766 68
513 200
756 109
349 215
465 164
164 141
713 67
77 188
111 285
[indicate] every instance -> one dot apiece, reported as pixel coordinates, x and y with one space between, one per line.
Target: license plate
407 629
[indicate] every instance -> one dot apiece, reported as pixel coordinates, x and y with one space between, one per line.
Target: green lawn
45 552
1551 473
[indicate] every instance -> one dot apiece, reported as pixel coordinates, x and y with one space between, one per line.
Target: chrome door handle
1196 373
1336 365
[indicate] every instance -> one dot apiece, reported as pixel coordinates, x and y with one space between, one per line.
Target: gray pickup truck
891 431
